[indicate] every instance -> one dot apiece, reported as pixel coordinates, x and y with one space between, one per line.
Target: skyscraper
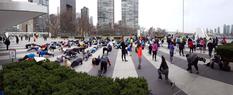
68 16
231 29
85 14
85 21
228 29
105 12
130 13
224 29
40 23
218 30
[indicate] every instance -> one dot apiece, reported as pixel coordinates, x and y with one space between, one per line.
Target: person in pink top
139 53
154 50
202 43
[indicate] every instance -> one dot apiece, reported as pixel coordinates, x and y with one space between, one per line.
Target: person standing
190 45
210 46
171 49
7 43
17 39
154 50
139 53
123 50
181 48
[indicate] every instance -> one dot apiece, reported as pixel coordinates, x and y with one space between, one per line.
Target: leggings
154 55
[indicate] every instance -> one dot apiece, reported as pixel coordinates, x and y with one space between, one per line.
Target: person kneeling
163 69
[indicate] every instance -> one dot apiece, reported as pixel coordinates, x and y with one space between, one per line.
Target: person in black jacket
17 39
164 69
7 43
181 48
123 51
210 47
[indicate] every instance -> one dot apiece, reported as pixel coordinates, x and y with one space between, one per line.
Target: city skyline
168 13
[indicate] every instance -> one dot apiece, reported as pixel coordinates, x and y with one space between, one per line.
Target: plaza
207 82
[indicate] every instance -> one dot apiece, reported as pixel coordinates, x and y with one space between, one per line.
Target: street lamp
183 18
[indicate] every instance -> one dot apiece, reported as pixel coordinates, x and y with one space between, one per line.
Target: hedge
49 78
225 51
64 37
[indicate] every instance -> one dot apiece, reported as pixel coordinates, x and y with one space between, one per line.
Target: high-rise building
40 23
85 14
85 27
130 13
228 29
218 30
105 12
67 16
224 29
231 29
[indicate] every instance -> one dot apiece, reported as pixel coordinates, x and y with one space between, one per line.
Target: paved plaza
207 82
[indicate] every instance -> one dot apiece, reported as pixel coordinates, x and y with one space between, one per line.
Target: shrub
53 36
49 78
225 51
81 38
64 37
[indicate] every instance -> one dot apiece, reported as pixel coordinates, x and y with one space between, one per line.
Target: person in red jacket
190 45
139 53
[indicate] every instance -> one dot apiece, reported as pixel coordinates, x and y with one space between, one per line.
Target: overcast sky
168 13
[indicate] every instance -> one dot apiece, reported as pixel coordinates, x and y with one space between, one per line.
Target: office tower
105 12
218 30
40 23
130 13
68 16
224 29
85 21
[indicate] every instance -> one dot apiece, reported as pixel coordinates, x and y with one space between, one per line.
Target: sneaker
160 77
139 67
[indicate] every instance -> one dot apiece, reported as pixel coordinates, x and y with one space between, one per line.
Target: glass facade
105 12
130 13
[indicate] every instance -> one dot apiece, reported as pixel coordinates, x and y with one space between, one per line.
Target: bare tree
54 24
68 23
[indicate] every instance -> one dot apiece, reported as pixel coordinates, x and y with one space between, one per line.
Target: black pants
103 67
195 63
165 72
190 66
154 55
191 50
7 47
210 52
123 56
181 51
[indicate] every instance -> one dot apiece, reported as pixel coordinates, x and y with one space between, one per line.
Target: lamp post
183 18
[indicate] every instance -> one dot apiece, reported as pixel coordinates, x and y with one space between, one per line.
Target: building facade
40 23
130 13
67 17
105 12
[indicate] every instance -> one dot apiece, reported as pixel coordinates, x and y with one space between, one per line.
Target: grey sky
168 13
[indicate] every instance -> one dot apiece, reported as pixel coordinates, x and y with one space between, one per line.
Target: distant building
105 12
218 30
68 16
85 14
130 13
231 29
224 29
228 29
